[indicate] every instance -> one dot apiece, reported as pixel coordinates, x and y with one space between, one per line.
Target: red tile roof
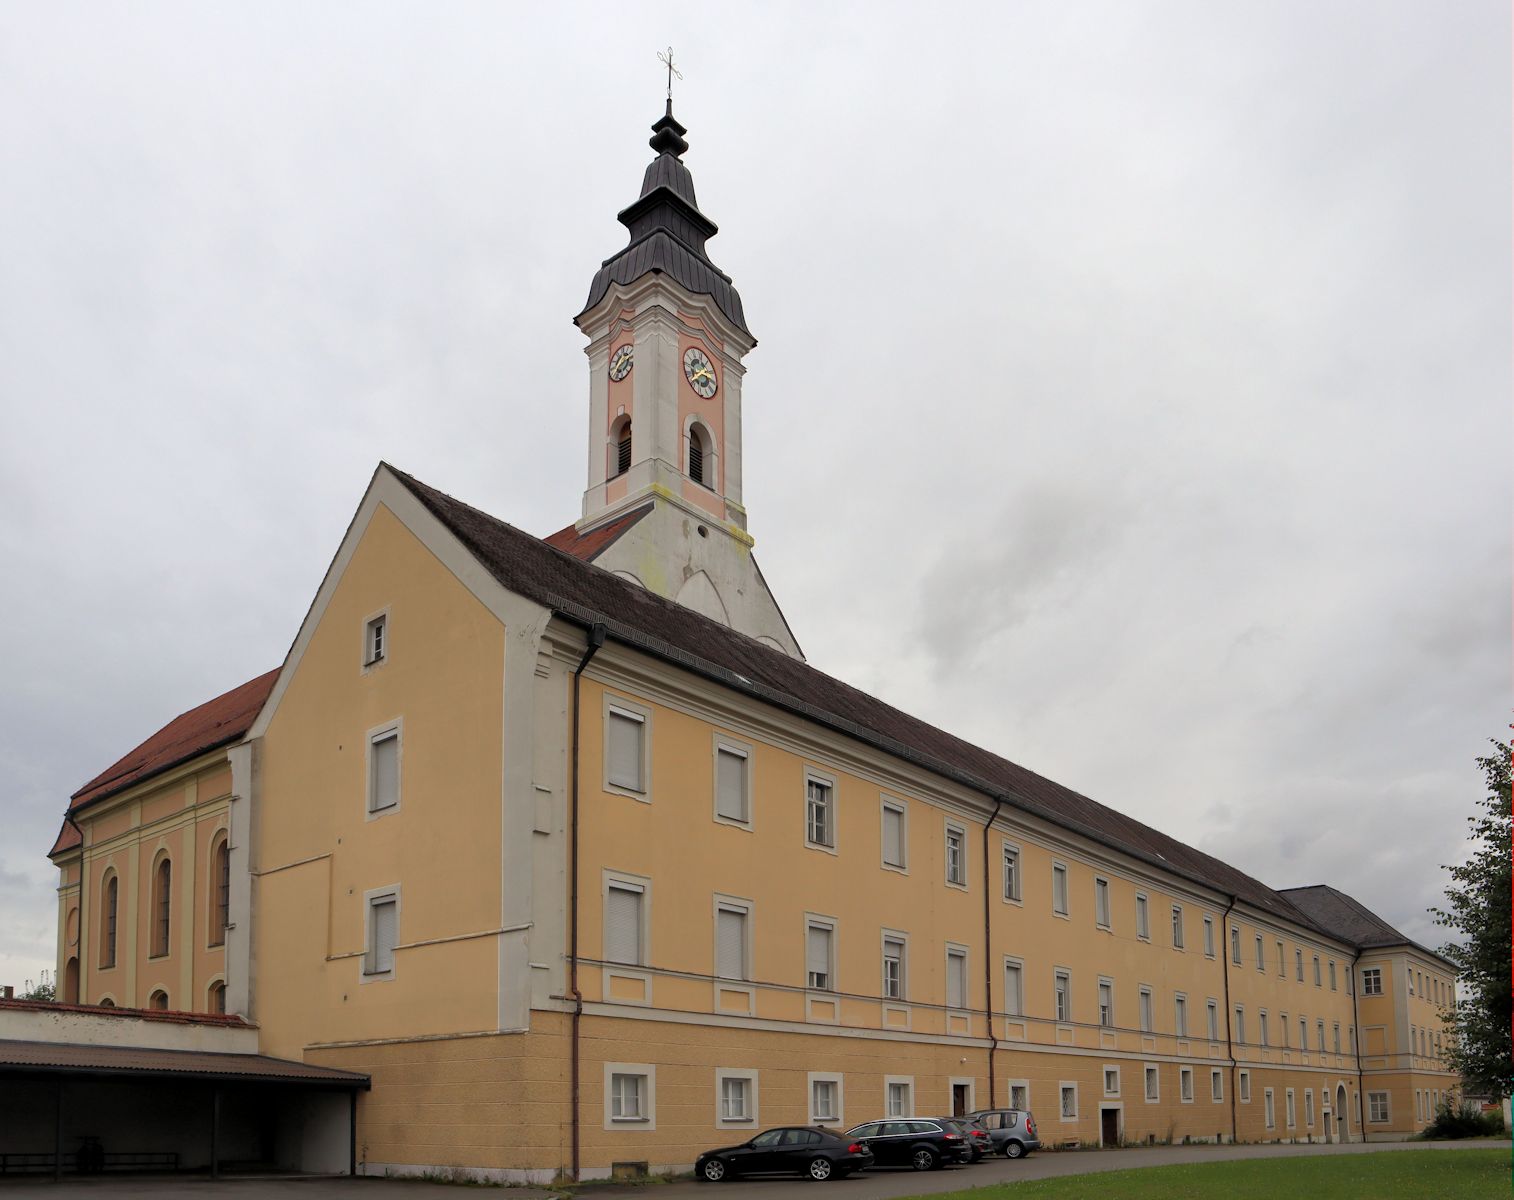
162 1016
589 546
68 839
215 723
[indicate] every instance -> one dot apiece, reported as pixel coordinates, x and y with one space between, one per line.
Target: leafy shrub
1462 1119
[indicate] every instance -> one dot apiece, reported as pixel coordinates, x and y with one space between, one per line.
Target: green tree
44 989
1478 909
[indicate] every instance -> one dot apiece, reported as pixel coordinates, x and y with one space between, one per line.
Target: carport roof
133 1062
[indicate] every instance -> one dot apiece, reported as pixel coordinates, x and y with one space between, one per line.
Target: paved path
873 1184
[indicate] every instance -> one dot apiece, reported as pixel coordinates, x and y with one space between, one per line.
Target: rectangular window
626 753
956 856
1411 977
1143 918
1240 1024
1011 872
1282 962
1245 1087
1309 1107
1212 1013
1180 1016
1319 1029
373 641
1209 937
819 819
624 903
383 770
899 1102
1298 965
628 1097
1261 961
1235 946
818 950
1014 989
732 792
1111 1081
1303 1033
823 1100
1177 926
1106 1003
1377 1107
893 968
1019 1096
1062 983
956 978
1282 1028
383 933
731 944
1316 971
1153 1084
1101 903
893 835
1289 1113
1069 1101
1267 1107
1332 974
1059 889
1216 1085
1185 1084
1335 1036
735 1098
1146 1012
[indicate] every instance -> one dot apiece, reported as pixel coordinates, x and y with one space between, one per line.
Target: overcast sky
1132 394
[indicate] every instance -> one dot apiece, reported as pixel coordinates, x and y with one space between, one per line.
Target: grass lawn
1390 1175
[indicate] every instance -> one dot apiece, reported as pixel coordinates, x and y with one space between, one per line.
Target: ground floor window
1245 1087
1268 1109
627 1094
825 1098
1069 1101
630 1095
1289 1108
1185 1084
1377 1107
736 1096
899 1101
1309 1107
1217 1085
1019 1096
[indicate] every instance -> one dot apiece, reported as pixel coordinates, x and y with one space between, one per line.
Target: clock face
699 372
621 362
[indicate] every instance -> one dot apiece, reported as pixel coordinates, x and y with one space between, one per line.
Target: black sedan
792 1150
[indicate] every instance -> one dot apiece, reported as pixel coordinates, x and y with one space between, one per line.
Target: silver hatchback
1012 1130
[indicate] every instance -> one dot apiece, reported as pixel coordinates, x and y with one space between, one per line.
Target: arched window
107 1003
216 999
220 891
699 455
109 908
158 1000
71 981
623 449
162 892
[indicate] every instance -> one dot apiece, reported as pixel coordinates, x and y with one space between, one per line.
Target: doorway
961 1099
1109 1126
1329 1126
1342 1115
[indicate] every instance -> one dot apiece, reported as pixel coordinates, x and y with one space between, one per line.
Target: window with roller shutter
818 942
956 978
893 835
731 941
384 769
732 790
383 933
623 941
625 750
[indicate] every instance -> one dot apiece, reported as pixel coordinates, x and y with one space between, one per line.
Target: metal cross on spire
666 58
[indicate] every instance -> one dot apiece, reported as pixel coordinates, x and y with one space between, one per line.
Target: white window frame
642 715
1235 944
1151 1083
1317 982
625 881
733 904
379 621
1239 1012
743 751
960 879
1308 1108
1180 1014
907 1082
1261 953
1185 1085
1062 975
1106 1017
647 1120
832 809
1282 960
1017 994
839 1081
886 805
1111 1069
1372 1108
816 921
379 733
1063 1087
1102 915
1333 976
1216 1085
1146 1012
1243 1087
957 950
1372 981
371 898
1263 1028
1212 1019
886 936
747 1075
1269 1108
1013 1085
1208 936
1290 1109
1143 917
1012 873
1179 928
1282 1024
1059 874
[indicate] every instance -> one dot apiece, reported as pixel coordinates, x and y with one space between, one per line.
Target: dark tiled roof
635 616
1351 920
156 1015
589 546
668 232
215 723
18 1057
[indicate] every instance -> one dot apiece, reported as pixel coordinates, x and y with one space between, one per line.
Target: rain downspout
1356 1036
596 640
988 950
1229 1030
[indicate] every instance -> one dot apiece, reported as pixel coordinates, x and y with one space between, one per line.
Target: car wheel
924 1159
1014 1149
820 1168
713 1170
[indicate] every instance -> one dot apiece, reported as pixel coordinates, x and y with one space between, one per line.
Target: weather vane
667 60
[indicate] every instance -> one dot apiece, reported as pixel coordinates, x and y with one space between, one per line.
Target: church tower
667 337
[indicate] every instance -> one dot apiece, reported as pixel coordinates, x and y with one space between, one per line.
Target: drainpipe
596 640
1356 1024
1229 1030
988 971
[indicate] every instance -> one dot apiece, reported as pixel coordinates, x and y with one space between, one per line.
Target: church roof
668 232
589 546
661 627
215 723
